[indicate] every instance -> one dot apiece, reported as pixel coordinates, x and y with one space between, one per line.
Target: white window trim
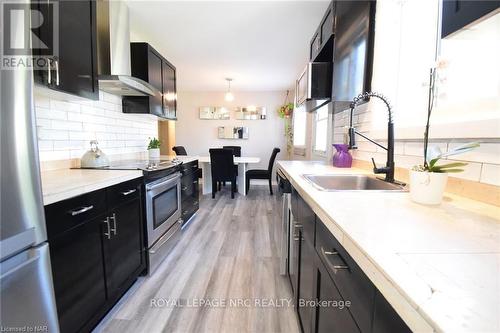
321 153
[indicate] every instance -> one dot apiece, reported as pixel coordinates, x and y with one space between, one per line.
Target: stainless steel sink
352 183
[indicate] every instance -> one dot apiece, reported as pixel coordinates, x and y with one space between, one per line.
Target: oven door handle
164 182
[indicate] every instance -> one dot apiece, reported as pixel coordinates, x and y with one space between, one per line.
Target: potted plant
285 112
154 149
428 181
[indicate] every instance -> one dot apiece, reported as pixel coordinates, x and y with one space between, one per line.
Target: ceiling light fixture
229 97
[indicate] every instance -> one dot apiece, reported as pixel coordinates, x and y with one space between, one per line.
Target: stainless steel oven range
162 202
163 217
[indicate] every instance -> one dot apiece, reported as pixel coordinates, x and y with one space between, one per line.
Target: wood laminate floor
228 253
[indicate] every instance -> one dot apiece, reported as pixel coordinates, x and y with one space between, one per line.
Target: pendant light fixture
229 97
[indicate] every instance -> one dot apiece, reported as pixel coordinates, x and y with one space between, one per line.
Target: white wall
405 50
66 124
198 136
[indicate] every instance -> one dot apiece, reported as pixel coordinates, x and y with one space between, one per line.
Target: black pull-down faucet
388 170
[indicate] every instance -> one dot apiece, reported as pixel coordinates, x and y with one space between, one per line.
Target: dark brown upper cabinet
150 66
320 48
458 13
73 64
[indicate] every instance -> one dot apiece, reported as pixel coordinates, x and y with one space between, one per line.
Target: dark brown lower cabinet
334 316
96 250
123 253
306 287
78 274
385 319
332 292
307 255
189 190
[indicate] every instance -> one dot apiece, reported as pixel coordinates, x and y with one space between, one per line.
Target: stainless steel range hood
113 52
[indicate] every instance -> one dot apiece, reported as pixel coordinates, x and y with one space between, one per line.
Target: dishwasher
285 189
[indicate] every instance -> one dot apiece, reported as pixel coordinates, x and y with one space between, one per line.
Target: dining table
242 163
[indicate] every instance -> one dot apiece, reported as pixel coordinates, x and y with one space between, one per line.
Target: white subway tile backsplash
45 123
75 116
68 145
54 155
90 127
66 127
486 153
490 174
472 171
45 145
45 113
50 134
483 163
63 105
417 148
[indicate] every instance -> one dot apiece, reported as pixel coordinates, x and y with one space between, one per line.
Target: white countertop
182 158
58 185
439 266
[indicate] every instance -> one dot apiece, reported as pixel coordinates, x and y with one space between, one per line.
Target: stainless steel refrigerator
27 300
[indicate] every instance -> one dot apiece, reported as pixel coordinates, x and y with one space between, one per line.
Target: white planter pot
427 187
154 154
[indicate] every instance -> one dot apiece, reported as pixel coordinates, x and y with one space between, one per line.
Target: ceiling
262 45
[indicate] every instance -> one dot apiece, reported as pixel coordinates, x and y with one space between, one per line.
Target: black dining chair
236 150
262 174
236 153
179 150
222 167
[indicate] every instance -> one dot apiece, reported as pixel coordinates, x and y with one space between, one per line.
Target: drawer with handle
189 167
64 215
348 277
124 192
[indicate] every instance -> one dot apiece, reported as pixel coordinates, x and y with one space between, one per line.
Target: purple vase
342 158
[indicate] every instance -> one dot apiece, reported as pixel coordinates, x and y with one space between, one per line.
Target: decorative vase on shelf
342 157
154 153
427 187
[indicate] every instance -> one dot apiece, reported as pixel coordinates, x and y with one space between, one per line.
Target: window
321 130
299 127
467 86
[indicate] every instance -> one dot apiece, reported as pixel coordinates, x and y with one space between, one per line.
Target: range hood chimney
113 52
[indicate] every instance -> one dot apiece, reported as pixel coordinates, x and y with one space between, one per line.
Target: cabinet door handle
107 234
333 268
80 210
184 188
195 202
129 192
49 71
113 217
195 182
57 72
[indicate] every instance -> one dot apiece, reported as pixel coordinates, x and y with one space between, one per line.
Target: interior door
75 69
124 251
